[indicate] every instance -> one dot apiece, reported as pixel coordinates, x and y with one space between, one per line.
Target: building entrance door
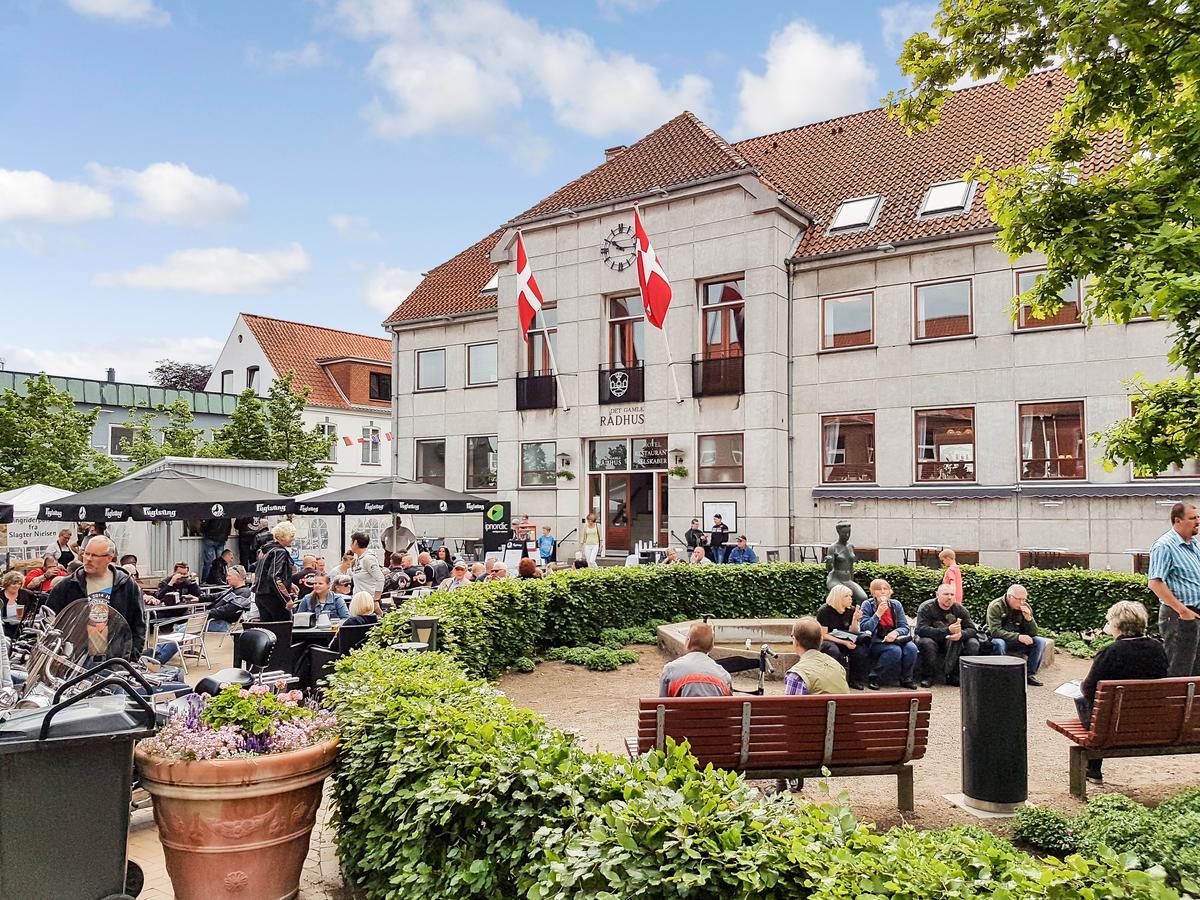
628 510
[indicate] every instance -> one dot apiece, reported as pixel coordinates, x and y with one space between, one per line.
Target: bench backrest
1159 713
763 733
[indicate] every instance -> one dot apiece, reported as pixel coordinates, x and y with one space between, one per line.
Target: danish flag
349 443
529 296
656 287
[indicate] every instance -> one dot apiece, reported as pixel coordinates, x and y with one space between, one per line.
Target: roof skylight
856 213
947 197
493 283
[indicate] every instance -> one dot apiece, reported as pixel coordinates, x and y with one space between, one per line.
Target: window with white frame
481 364
720 459
431 370
539 461
947 197
857 213
370 446
848 321
942 309
330 430
1068 313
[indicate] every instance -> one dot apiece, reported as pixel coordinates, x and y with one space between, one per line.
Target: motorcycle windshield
83 635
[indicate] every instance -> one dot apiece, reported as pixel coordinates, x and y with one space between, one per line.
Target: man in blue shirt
1175 580
742 552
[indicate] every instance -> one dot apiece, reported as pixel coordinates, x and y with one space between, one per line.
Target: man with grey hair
499 572
1174 578
100 580
1013 630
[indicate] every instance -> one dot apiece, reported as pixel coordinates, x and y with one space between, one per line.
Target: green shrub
489 625
1045 829
616 638
1119 823
524 664
444 789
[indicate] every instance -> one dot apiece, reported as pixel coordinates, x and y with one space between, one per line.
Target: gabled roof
815 167
296 346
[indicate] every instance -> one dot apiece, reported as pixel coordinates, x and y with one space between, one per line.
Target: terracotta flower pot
237 828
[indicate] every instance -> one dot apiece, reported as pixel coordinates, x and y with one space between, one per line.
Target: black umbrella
165 495
6 513
392 495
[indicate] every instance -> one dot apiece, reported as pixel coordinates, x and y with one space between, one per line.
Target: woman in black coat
1131 657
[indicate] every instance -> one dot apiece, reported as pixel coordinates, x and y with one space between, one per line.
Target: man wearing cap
742 552
460 576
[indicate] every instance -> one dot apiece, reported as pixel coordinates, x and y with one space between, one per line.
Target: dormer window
857 213
493 284
948 197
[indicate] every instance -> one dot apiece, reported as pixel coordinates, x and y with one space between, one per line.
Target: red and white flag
656 288
349 443
529 296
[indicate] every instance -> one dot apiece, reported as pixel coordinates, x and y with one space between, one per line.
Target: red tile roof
296 346
816 166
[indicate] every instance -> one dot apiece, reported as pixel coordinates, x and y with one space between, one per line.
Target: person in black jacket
274 593
1131 657
945 629
98 578
695 536
182 582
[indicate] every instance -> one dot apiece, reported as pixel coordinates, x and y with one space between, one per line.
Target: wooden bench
795 737
1133 718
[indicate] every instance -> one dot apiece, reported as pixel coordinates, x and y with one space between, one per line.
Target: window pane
538 464
712 327
946 444
624 307
370 446
118 436
1067 315
943 310
431 462
608 456
1052 440
720 459
330 430
481 463
854 213
848 321
547 316
946 197
724 292
431 369
481 364
380 386
848 447
650 453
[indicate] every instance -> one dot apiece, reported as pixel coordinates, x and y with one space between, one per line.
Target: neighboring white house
350 376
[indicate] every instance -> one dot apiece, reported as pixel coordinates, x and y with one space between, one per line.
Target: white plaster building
842 337
350 376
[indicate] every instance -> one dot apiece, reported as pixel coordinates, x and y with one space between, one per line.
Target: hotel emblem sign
618 383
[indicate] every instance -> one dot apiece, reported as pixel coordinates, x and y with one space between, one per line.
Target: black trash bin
995 756
65 779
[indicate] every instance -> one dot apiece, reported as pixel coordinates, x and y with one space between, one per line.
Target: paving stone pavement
322 879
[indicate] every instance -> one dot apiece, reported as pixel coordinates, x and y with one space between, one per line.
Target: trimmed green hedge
443 789
489 626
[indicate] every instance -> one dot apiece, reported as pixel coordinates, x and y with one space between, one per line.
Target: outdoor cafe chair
191 639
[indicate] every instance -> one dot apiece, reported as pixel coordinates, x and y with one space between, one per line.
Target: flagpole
554 365
671 363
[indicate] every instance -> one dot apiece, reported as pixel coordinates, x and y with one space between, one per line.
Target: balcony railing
622 384
717 373
536 390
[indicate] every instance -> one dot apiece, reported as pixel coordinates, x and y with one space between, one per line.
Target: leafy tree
181 376
1129 230
273 429
152 440
45 439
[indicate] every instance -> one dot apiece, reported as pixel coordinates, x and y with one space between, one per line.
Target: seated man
182 582
323 601
220 564
1012 628
233 604
815 672
742 552
945 629
891 649
459 577
695 674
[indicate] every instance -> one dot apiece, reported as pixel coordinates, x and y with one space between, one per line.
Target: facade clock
619 248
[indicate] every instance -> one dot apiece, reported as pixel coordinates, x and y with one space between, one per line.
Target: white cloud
809 76
173 194
127 12
901 21
464 66
308 56
354 228
613 8
386 288
133 358
32 196
215 270
30 240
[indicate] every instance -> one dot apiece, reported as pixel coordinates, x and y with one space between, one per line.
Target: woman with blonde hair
362 612
1131 657
840 636
274 592
591 540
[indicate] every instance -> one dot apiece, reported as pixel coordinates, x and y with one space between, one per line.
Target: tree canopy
1127 229
182 376
44 439
152 440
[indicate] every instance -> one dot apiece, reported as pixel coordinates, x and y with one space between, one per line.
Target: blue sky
165 164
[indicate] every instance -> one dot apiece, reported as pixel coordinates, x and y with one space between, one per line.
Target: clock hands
621 247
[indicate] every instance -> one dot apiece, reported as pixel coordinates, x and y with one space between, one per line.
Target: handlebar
111 681
107 664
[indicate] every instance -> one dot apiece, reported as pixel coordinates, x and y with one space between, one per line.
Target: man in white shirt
368 575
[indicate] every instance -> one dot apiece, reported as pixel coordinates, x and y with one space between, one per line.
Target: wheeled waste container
65 778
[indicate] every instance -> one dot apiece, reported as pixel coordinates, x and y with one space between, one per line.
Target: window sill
538 487
1074 326
950 482
481 384
942 340
824 350
720 484
436 390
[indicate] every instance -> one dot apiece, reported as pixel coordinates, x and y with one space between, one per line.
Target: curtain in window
833 432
